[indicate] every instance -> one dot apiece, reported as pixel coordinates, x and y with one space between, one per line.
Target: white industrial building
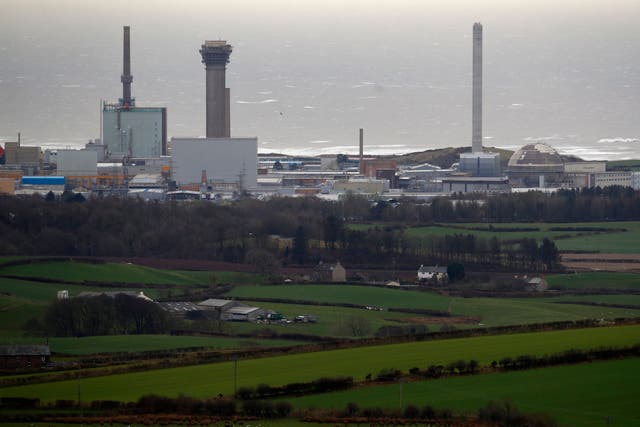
134 131
227 162
77 163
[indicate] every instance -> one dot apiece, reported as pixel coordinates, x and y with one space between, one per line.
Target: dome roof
536 155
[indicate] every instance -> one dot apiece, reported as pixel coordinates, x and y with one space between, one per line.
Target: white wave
308 107
618 140
544 138
265 101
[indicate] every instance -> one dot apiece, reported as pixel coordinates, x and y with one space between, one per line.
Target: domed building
535 165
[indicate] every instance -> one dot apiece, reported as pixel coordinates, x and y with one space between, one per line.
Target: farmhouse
432 273
537 284
329 273
24 356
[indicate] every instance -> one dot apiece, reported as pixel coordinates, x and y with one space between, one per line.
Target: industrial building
131 131
80 167
215 57
217 162
226 163
479 171
27 159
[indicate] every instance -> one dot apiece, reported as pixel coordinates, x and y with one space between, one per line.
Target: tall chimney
361 151
476 139
215 56
126 77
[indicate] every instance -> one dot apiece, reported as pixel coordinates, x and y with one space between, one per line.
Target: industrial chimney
215 56
126 77
361 151
476 139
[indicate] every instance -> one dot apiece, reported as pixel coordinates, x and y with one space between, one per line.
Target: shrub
389 374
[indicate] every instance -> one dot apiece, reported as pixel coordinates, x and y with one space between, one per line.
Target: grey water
305 76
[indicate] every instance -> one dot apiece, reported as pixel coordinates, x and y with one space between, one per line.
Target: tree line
101 315
307 229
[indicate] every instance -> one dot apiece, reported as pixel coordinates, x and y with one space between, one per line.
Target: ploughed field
211 379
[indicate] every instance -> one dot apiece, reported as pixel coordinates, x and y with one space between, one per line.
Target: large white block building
231 162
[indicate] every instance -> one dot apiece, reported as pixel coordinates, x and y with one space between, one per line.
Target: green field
332 321
594 280
13 313
612 242
77 271
135 343
211 379
581 395
38 292
491 311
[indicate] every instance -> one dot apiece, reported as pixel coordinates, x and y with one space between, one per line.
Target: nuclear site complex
134 156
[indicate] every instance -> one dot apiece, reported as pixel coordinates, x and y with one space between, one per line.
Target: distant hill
445 157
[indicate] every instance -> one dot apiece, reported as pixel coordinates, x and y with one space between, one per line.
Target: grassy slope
127 273
127 343
209 380
491 311
594 280
110 272
615 242
572 394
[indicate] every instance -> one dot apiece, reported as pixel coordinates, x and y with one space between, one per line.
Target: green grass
613 242
209 380
581 395
126 273
14 312
362 295
602 299
490 311
135 343
594 280
38 292
332 321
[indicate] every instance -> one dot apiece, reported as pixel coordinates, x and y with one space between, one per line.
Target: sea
304 84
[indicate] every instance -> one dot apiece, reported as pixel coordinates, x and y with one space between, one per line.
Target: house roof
326 267
213 302
242 310
24 350
432 269
179 306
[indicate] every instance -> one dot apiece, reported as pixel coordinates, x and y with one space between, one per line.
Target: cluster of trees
244 231
101 315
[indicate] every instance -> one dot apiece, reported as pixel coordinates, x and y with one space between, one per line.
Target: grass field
573 395
614 242
135 343
491 311
13 313
209 380
126 273
38 292
332 321
594 280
